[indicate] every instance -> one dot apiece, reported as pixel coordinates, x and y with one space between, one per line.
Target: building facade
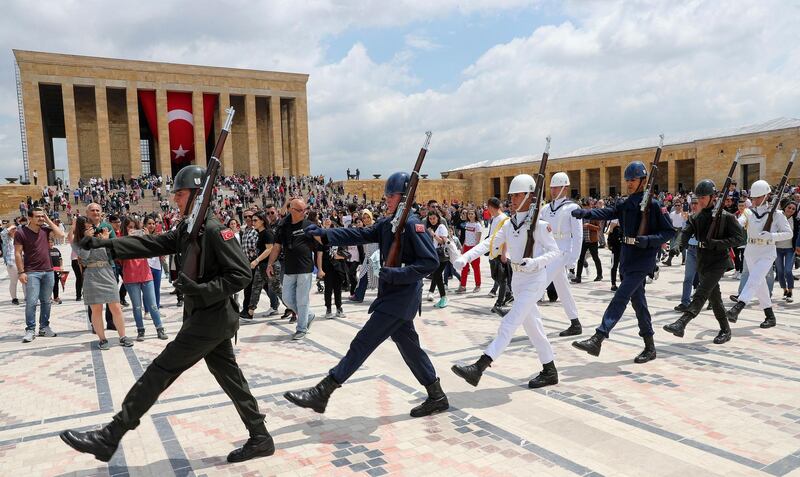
598 171
123 117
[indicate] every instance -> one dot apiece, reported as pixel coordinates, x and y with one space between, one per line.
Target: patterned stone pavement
699 409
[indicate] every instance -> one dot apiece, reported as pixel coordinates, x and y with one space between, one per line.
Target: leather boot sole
461 374
768 324
301 403
537 383
241 457
591 351
675 331
66 436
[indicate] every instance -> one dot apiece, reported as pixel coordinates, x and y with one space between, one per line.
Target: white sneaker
476 290
649 280
340 313
29 336
47 332
429 297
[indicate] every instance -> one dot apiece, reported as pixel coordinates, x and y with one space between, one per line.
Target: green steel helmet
189 177
705 187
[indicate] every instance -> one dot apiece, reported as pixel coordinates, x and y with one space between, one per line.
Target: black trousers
247 292
501 274
614 265
333 286
437 279
592 248
352 282
179 355
710 271
76 269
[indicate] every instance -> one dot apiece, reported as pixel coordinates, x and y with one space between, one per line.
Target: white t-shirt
472 235
154 262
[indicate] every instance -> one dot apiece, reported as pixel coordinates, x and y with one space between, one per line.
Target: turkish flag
181 128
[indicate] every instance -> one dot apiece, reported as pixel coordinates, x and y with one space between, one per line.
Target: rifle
401 214
536 202
196 219
648 190
779 192
716 214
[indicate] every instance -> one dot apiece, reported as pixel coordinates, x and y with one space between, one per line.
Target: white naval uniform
568 234
527 287
759 253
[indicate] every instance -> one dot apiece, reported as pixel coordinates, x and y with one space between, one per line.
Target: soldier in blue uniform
637 260
399 300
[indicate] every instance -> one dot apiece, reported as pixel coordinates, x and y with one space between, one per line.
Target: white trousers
527 287
758 265
557 273
13 278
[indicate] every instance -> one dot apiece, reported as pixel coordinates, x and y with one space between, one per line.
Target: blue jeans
746 274
38 288
361 289
296 288
157 285
689 274
783 267
137 292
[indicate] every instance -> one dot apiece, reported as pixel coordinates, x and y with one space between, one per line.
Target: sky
490 78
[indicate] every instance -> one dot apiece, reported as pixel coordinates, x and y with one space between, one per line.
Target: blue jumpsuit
399 297
635 263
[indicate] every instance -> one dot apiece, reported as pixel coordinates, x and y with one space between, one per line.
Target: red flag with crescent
181 127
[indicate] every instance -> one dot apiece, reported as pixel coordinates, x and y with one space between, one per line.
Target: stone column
503 187
134 137
584 183
34 131
227 152
198 118
71 130
275 135
300 130
103 133
252 134
603 181
164 160
672 176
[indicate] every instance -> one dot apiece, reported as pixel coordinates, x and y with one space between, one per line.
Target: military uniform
637 260
568 234
712 260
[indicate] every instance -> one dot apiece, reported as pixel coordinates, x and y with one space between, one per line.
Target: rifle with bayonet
776 198
716 214
196 219
536 201
647 196
406 203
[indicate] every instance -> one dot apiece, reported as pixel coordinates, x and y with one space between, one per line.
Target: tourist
137 278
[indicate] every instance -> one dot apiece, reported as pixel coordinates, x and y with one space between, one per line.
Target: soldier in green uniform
210 320
712 260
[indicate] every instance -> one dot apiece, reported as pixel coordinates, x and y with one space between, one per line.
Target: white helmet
522 183
759 188
559 179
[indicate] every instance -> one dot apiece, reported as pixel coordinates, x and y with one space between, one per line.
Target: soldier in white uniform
760 253
568 233
528 282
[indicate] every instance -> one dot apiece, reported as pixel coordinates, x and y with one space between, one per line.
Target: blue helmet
397 183
635 170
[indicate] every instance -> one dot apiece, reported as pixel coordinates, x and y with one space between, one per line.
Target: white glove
765 235
529 265
460 262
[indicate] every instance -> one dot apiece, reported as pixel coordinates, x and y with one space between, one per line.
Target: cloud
418 41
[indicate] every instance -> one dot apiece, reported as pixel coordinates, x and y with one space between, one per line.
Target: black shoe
293 319
598 279
123 302
436 402
472 373
592 345
179 303
613 288
315 398
723 336
681 308
574 329
286 314
734 297
547 377
679 326
100 443
733 314
668 263
256 446
576 280
769 320
499 310
15 301
649 352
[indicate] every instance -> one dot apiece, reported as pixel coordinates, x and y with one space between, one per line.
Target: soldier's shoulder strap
494 234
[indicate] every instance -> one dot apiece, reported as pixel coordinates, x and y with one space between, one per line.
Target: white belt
561 235
758 241
629 240
517 267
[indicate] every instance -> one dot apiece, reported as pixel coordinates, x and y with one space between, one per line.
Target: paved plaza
698 410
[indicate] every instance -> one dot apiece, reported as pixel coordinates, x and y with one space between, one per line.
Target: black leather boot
547 377
679 326
724 334
649 352
436 402
315 398
101 443
574 328
769 320
256 446
472 373
733 314
592 345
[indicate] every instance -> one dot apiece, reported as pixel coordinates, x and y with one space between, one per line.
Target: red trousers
476 268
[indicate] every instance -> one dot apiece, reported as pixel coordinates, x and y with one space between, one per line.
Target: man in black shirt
301 251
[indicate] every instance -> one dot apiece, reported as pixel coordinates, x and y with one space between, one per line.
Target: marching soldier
568 234
210 320
638 259
760 252
712 260
528 282
393 311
